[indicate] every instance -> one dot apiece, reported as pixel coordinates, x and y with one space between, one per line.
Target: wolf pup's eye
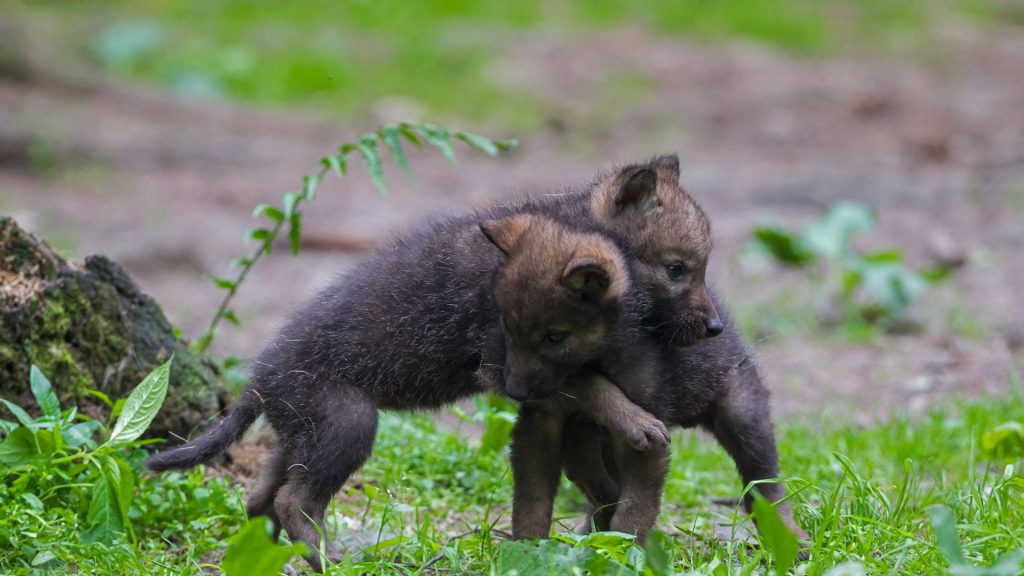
675 270
556 336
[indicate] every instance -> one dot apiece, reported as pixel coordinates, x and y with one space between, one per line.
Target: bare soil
935 142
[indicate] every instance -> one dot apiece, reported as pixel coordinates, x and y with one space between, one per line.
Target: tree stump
89 327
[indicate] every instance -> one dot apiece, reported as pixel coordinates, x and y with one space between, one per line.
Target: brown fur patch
543 252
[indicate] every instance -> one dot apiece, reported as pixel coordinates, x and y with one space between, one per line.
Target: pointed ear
667 165
639 191
588 279
506 232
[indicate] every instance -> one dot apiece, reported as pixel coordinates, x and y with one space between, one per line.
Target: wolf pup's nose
518 393
714 326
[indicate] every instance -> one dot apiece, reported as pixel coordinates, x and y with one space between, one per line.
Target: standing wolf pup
713 383
413 327
539 330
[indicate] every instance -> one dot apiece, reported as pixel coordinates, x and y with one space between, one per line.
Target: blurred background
862 162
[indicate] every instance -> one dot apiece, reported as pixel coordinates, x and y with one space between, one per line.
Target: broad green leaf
497 430
122 479
19 413
485 145
33 501
252 552
80 434
272 212
890 284
784 246
46 441
43 557
944 525
6 426
1005 440
19 447
373 166
141 407
777 538
68 417
104 517
58 438
393 140
546 558
295 232
659 553
118 406
43 391
832 233
230 316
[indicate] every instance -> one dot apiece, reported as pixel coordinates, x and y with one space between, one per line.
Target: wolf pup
413 327
543 329
713 384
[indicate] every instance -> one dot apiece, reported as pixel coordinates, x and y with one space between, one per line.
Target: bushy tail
214 441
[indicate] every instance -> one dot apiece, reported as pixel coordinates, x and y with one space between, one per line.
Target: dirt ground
935 143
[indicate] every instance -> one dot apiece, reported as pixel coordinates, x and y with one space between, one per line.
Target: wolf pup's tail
214 441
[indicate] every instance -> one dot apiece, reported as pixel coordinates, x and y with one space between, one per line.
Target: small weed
288 215
859 289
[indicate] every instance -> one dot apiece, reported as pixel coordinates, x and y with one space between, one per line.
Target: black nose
714 326
517 393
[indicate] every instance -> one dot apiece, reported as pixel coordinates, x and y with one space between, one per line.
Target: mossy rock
89 327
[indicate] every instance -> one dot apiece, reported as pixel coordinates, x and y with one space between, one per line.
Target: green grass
439 55
865 495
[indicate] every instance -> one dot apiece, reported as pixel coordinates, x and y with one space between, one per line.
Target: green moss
93 329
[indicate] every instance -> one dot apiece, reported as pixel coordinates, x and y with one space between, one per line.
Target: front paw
646 432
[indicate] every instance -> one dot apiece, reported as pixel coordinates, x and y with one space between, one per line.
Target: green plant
777 538
71 470
288 215
944 525
875 287
1005 441
253 552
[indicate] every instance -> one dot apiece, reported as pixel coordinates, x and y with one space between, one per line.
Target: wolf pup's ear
589 279
638 191
667 165
506 232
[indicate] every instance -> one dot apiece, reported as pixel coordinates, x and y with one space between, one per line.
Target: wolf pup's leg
742 424
583 443
323 450
641 478
261 502
536 468
605 403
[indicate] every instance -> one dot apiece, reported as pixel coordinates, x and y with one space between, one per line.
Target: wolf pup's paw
645 432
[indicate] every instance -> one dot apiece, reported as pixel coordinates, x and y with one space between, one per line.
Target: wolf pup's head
558 293
670 236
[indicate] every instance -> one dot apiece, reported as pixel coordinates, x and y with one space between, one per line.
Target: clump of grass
439 56
879 499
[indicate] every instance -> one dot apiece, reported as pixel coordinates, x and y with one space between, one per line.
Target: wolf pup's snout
714 325
516 389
